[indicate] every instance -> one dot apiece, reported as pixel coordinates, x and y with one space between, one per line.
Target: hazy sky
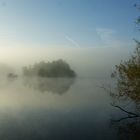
74 23
91 35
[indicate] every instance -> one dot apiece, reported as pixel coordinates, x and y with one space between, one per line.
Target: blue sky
76 23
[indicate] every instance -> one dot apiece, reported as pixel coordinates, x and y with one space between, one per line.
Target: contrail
72 41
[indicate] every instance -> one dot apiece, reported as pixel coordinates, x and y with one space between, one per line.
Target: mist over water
57 108
69 111
57 62
87 62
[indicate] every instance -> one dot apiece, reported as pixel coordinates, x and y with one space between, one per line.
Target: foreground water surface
40 109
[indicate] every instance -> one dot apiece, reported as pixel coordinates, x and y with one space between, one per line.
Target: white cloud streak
108 37
72 41
105 34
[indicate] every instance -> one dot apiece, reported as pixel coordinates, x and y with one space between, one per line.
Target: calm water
54 109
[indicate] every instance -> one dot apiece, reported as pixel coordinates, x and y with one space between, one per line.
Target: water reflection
53 85
127 128
52 125
83 114
126 121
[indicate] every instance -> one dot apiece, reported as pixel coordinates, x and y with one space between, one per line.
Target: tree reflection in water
53 85
127 129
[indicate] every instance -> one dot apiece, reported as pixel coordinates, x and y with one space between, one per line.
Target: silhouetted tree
57 68
127 75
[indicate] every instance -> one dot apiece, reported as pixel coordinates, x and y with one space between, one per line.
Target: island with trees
54 69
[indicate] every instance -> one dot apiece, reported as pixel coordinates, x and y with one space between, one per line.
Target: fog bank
87 62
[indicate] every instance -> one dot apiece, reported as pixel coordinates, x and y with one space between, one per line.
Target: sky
91 35
67 23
